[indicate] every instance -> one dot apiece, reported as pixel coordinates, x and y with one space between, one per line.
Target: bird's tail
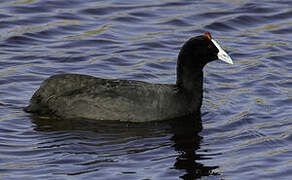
30 108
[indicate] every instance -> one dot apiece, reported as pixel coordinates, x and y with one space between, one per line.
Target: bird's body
80 96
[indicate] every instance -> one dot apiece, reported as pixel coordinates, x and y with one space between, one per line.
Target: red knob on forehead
208 35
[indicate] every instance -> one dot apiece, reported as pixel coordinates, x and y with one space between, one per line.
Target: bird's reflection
184 134
187 141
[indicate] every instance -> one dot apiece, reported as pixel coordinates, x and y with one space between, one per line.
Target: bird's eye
210 46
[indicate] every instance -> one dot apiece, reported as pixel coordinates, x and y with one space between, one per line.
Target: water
243 132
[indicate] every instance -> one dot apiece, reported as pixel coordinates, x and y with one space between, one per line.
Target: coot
80 96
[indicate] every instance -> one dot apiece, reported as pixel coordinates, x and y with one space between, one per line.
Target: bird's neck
189 75
190 84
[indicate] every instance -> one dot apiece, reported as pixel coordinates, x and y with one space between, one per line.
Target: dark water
245 127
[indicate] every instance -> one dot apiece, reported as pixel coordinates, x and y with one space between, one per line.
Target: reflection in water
183 133
187 141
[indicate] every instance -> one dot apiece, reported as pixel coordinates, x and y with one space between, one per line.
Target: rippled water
245 127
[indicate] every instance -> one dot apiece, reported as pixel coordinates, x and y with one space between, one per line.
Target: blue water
245 127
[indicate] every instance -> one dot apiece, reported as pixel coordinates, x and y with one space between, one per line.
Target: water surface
243 131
